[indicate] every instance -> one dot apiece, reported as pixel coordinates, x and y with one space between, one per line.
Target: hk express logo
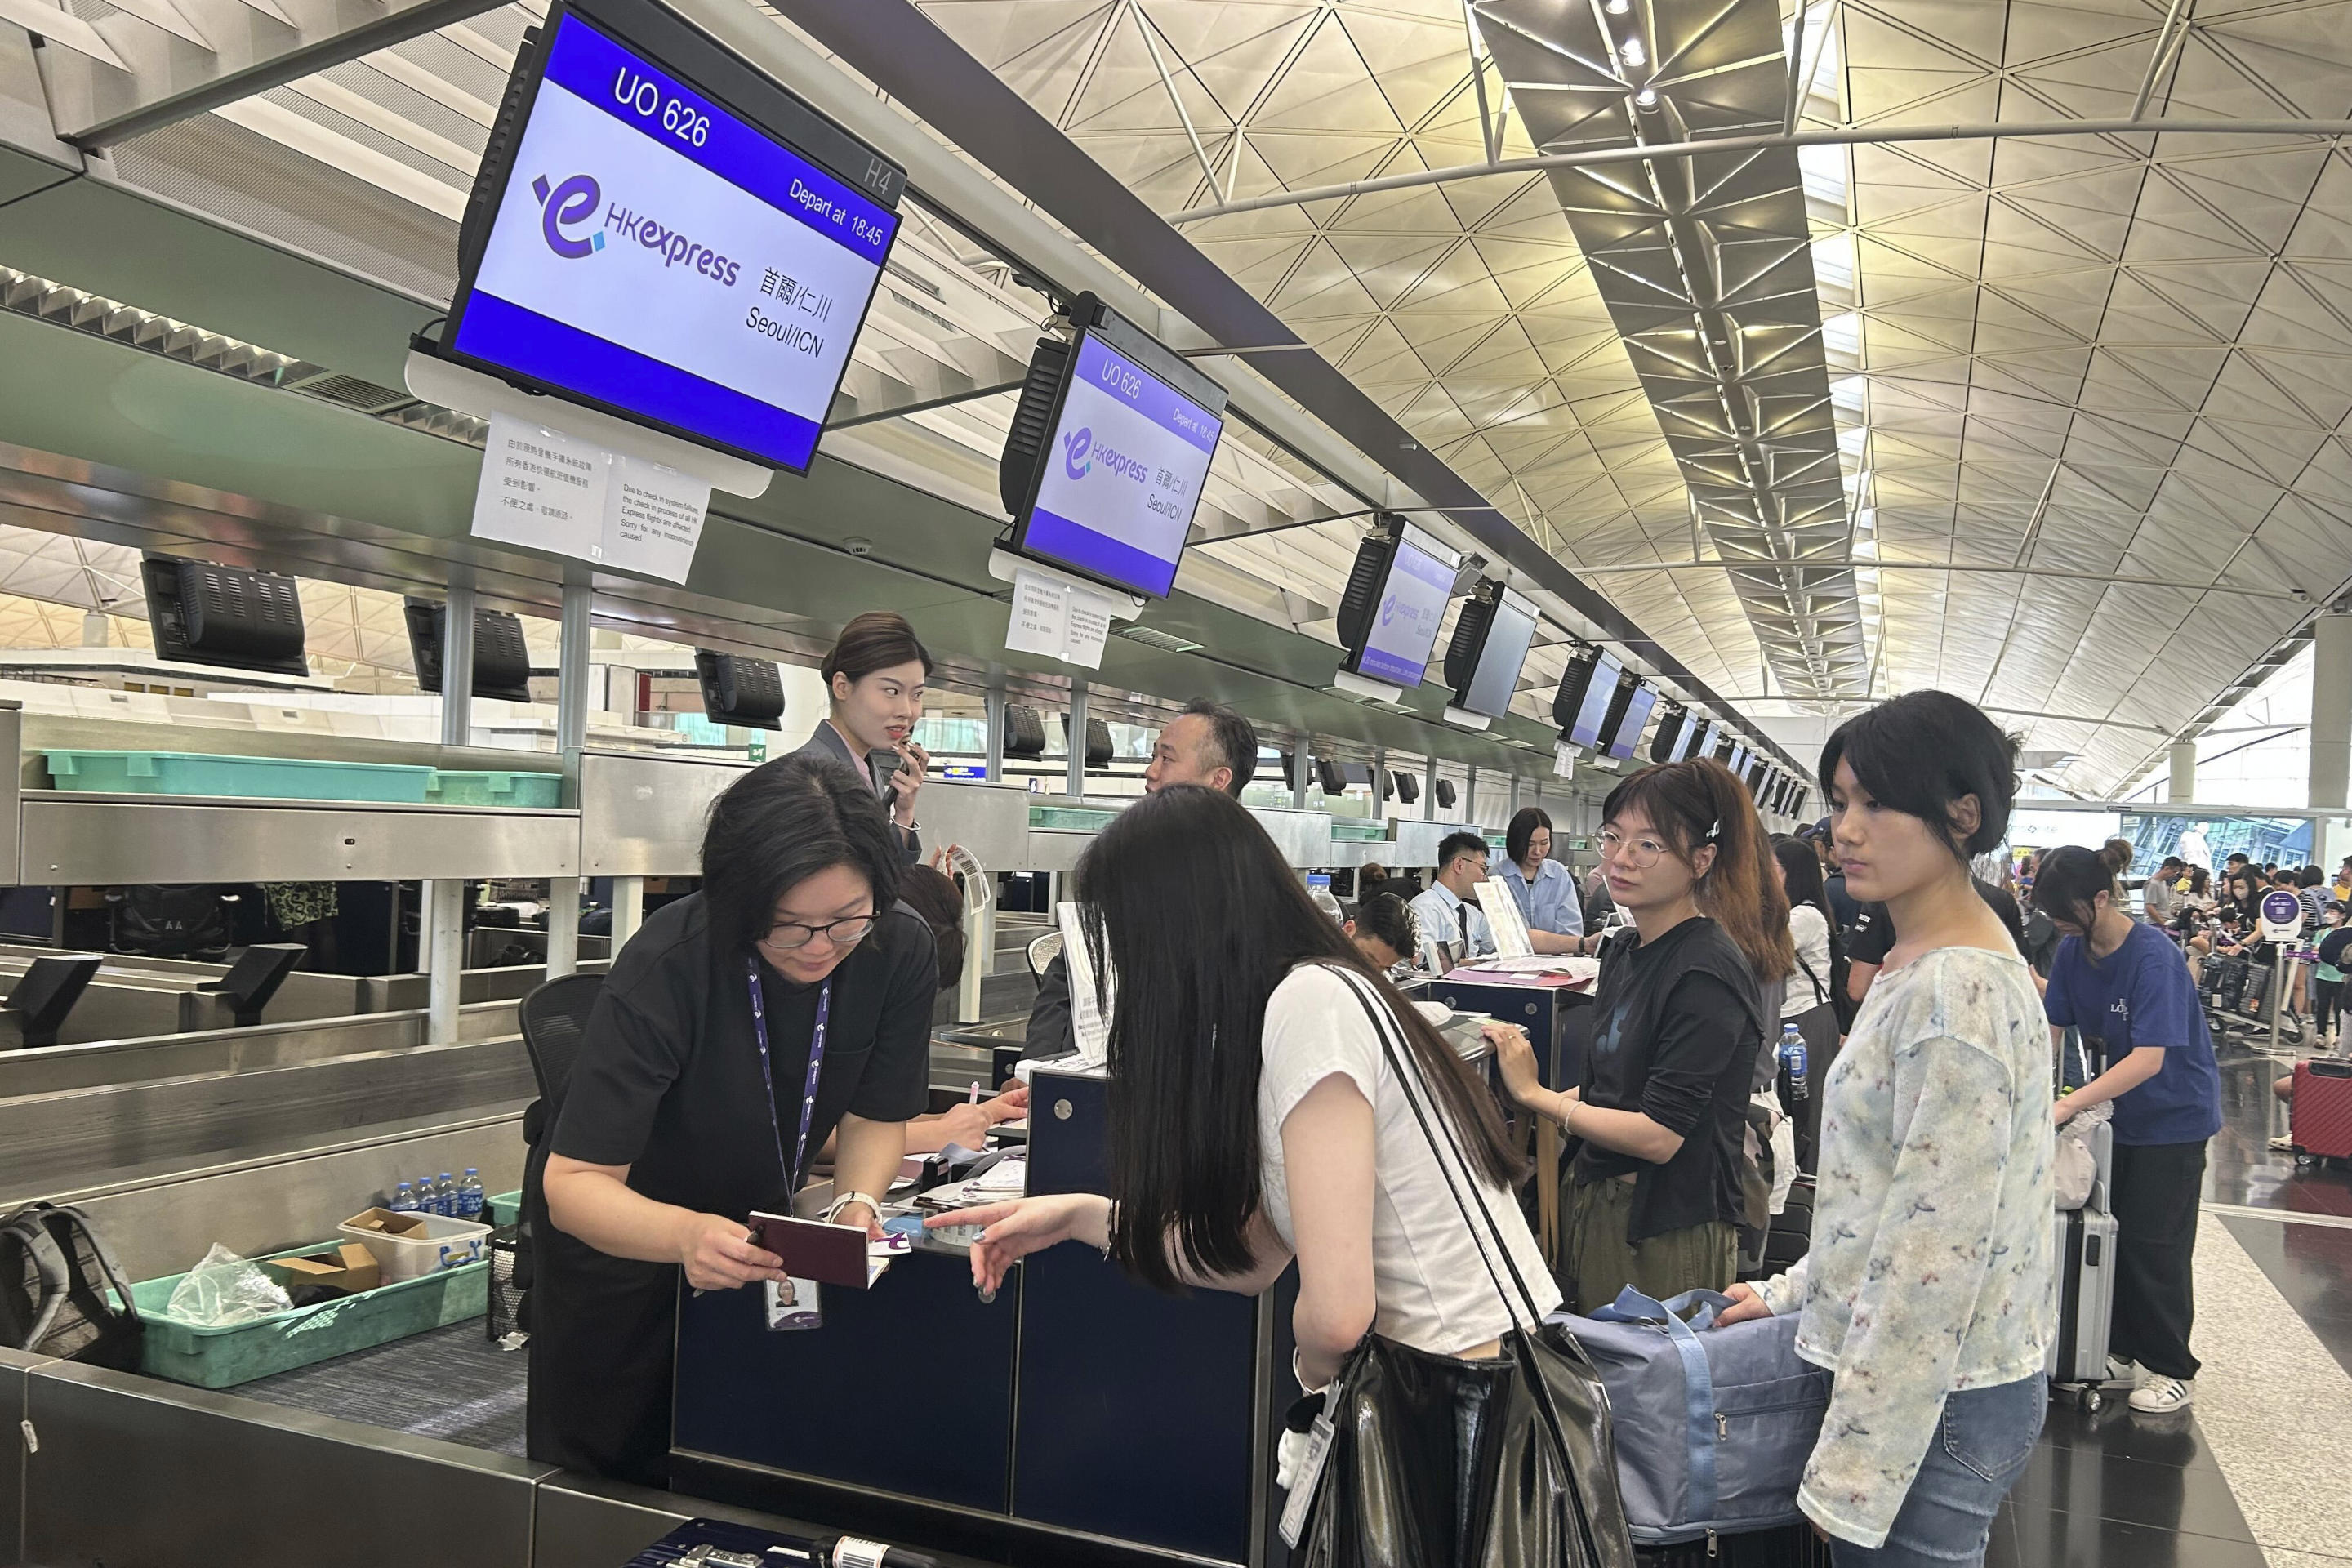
574 199
1079 454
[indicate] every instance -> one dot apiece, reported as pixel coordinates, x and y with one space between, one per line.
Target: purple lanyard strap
767 1074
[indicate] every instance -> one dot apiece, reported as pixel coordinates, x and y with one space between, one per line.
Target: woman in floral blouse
1928 1288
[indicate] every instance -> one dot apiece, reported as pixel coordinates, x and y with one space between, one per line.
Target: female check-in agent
790 1000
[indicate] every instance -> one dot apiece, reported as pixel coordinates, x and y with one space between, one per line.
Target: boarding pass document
1503 920
1089 1013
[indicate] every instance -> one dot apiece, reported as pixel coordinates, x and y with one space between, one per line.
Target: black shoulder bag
1506 1463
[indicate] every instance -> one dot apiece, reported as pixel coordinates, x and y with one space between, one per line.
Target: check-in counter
1078 1419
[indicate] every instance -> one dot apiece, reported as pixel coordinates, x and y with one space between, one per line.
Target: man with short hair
1208 744
1448 908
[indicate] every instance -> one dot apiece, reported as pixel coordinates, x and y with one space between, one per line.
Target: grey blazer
827 742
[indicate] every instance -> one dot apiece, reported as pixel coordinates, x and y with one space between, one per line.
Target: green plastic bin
1073 818
1359 832
496 789
266 778
223 1358
505 1208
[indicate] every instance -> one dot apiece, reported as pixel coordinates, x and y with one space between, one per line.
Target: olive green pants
1596 1261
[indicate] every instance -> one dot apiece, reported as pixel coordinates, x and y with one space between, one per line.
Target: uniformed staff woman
874 676
789 999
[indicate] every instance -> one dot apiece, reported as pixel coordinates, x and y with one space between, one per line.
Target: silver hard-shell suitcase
2084 1283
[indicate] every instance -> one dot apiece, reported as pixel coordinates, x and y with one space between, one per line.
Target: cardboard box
407 1244
348 1266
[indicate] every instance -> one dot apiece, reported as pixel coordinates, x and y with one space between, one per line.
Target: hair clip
1712 829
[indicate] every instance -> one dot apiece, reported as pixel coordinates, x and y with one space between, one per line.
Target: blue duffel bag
1713 1425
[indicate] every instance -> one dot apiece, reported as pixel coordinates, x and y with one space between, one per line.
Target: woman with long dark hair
1654 1194
1928 1288
1808 999
2123 984
1254 1116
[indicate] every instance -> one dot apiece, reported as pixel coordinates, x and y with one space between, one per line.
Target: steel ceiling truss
1704 264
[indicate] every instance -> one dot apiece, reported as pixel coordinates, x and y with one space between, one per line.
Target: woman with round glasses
1653 1199
787 1002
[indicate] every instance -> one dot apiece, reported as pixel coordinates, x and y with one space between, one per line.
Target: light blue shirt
1441 917
1551 904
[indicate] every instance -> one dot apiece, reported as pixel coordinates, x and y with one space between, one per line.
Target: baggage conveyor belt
451 1383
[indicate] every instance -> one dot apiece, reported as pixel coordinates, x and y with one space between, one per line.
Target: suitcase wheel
2091 1401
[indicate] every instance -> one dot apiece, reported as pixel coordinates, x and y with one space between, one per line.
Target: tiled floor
2151 1493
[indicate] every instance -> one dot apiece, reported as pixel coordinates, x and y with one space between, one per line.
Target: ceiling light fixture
1633 53
1646 98
1618 7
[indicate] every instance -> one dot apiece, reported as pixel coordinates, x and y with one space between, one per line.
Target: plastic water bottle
1318 889
403 1199
1793 1057
446 1191
470 1199
428 1200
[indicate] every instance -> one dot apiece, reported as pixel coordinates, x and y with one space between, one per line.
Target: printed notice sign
545 491
1058 619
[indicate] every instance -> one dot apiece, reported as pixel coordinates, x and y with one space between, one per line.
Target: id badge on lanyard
793 1303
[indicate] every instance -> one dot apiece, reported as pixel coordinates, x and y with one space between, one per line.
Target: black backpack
158 919
55 1276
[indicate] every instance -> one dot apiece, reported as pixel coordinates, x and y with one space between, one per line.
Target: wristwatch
874 1204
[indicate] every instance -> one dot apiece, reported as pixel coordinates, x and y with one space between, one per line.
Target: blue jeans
1981 1445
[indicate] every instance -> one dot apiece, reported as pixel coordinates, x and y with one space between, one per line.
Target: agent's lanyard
792 1168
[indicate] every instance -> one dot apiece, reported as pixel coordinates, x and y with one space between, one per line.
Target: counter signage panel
1404 626
1121 472
1637 719
1599 692
1687 741
656 255
1509 637
1708 742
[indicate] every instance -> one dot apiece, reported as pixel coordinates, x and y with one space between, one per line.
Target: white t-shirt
1431 1290
1809 929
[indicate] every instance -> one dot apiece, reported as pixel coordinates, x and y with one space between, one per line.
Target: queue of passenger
1928 1292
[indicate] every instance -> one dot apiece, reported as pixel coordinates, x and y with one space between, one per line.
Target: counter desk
1557 1018
1078 1419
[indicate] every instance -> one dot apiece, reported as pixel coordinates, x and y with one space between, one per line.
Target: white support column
573 673
2183 760
994 745
1074 783
2331 734
628 909
442 944
1302 763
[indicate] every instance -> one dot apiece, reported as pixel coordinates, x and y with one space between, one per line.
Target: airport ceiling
2084 394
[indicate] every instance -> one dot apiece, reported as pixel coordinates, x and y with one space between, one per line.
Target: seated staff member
1447 909
1654 1197
1383 931
1207 744
741 1028
875 674
1542 887
2124 985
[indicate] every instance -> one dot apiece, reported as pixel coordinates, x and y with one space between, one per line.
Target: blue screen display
657 255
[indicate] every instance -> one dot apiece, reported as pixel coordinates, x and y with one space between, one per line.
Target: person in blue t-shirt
2126 986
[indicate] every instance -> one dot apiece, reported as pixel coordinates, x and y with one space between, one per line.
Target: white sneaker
2163 1395
2122 1371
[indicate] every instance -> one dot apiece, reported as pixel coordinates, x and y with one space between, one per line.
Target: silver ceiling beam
246 51
1838 136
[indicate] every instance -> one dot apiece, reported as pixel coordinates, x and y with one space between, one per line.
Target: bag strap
1698 1378
77 1225
23 1227
1385 1025
1819 994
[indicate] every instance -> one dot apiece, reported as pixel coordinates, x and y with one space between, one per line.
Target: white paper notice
1504 921
1089 627
546 491
1563 761
1090 1015
541 489
653 520
1058 619
1041 614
